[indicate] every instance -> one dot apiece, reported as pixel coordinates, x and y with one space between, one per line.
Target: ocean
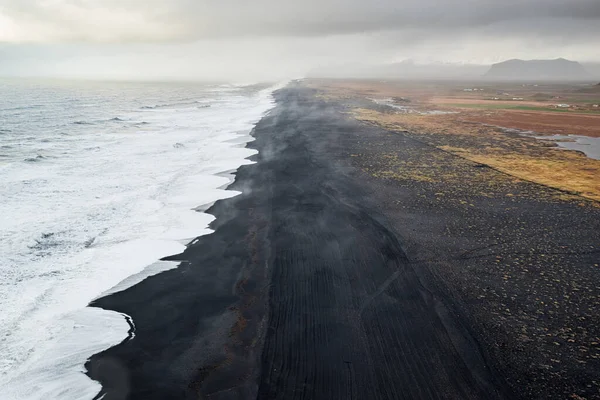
98 182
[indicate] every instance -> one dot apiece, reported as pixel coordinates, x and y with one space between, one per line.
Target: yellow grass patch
570 172
522 157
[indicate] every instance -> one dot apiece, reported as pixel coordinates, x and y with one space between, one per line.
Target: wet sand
326 279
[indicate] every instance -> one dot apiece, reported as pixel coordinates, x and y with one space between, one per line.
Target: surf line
131 332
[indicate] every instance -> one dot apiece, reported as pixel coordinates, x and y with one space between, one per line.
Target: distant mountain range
407 69
559 69
531 70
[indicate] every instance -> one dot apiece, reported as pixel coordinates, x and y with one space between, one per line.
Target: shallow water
590 146
98 181
403 109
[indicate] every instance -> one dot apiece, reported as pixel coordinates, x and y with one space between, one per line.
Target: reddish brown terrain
542 122
480 125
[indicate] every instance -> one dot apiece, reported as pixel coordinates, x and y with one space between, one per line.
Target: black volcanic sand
330 278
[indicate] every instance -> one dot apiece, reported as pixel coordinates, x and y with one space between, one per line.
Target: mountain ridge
556 69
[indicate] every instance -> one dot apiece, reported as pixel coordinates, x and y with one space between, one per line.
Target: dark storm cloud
264 39
312 17
167 20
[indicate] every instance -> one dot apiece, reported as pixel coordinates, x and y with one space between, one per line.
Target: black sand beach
326 279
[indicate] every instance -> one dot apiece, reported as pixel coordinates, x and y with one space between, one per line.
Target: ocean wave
115 119
37 158
89 243
22 108
45 243
49 243
177 104
71 238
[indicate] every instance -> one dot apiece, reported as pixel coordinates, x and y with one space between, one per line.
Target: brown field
541 122
473 129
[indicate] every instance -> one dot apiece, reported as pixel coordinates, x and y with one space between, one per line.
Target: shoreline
114 372
90 237
341 272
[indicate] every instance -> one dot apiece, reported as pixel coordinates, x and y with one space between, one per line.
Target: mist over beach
311 200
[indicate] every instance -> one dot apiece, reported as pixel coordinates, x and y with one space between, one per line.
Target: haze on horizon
271 39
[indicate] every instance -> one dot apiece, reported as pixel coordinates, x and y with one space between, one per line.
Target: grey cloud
242 39
155 20
320 17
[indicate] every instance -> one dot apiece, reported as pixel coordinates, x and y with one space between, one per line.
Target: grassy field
476 131
586 101
506 107
522 157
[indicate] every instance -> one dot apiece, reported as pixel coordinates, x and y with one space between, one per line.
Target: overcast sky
247 39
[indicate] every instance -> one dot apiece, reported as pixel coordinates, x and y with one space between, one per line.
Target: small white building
563 106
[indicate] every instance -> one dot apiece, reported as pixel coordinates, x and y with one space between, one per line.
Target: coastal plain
375 253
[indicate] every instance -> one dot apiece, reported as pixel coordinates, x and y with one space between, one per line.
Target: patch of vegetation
585 101
520 157
508 107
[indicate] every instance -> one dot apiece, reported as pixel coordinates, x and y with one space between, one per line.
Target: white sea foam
98 209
